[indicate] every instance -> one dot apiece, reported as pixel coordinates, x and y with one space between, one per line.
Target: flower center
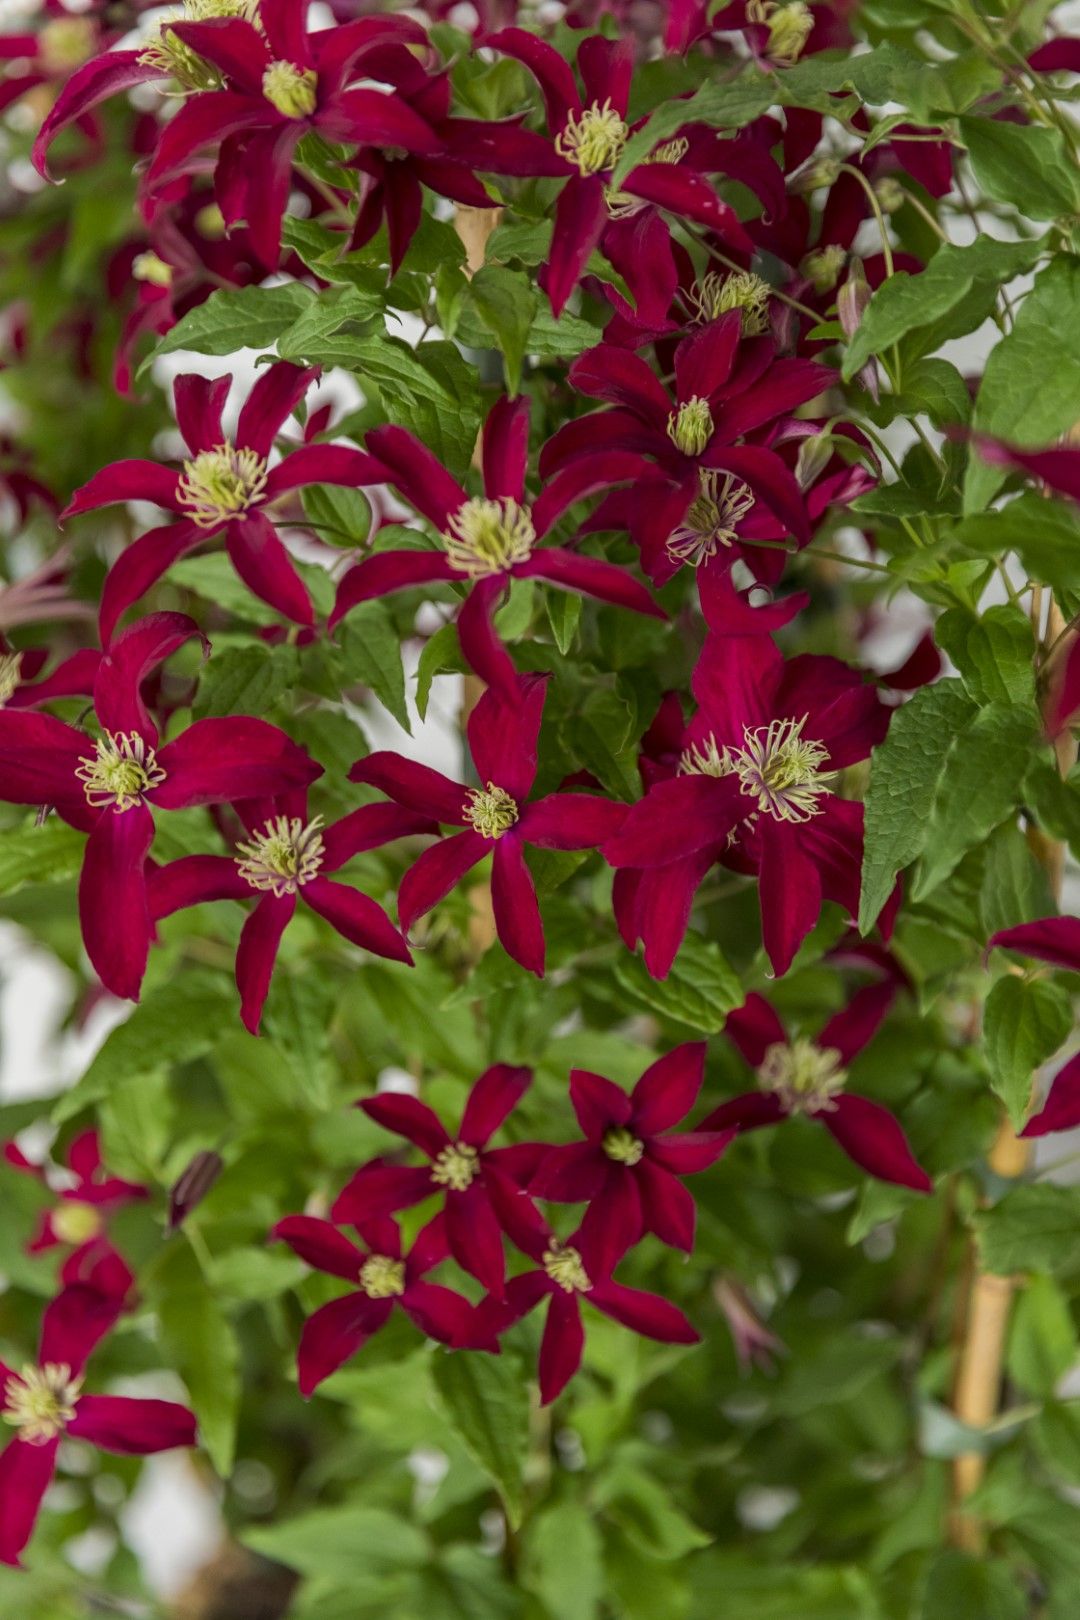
75 1222
789 27
822 268
456 1167
563 1265
715 294
40 1401
150 268
705 759
691 427
381 1277
10 666
66 43
593 141
622 1145
781 769
173 59
488 537
122 769
290 89
283 857
805 1077
217 484
490 811
713 519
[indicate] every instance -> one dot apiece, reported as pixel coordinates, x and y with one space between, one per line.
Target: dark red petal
598 1103
389 571
613 1222
415 786
677 817
415 472
369 827
224 760
124 481
134 655
668 1089
26 1473
193 880
408 1117
1061 1110
198 403
514 903
234 45
257 953
74 1322
855 1025
475 1236
1057 467
132 1428
213 115
1051 939
667 1208
689 1151
571 821
789 888
266 568
503 735
334 1333
580 216
753 1028
113 907
320 1244
591 576
505 447
431 877
39 756
275 395
324 464
745 1113
581 479
484 652
622 378
381 1189
704 360
870 1136
139 566
550 70
94 82
561 1346
665 899
438 1312
571 1173
493 1097
647 1314
357 918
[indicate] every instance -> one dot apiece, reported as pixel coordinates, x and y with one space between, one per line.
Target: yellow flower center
563 1265
488 537
622 1145
219 484
66 43
456 1167
789 27
173 59
713 519
150 268
716 293
490 811
381 1277
593 141
805 1077
10 667
822 268
123 768
781 769
283 857
705 759
40 1401
290 89
691 427
75 1222
210 223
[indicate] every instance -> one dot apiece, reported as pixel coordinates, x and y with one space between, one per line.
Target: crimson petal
334 1333
871 1137
221 761
113 907
357 918
753 1028
517 911
26 1473
436 872
132 1428
493 1097
1051 939
124 481
647 1314
262 562
561 1346
257 953
409 1117
386 572
1061 1110
74 1322
416 787
320 1244
668 1089
571 821
475 1236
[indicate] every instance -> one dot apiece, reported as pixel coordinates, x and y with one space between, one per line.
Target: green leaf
907 302
1025 1022
699 992
371 653
643 1507
244 680
1014 885
994 652
44 854
1024 165
200 1344
234 318
507 301
904 773
564 616
214 578
1014 401
335 308
1057 1438
485 1399
1044 534
1033 1228
342 1544
1056 803
980 787
959 1586
600 737
932 387
340 516
563 1564
441 655
1042 1339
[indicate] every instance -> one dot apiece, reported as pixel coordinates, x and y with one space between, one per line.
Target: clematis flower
224 488
569 1273
755 1345
498 818
80 1216
489 540
471 1176
286 860
44 1402
590 132
110 787
797 1075
1055 940
628 1167
750 785
384 1277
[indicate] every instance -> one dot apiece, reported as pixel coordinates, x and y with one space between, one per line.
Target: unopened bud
188 1192
889 193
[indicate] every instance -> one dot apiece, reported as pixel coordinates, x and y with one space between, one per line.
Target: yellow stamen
40 1401
716 293
10 667
173 59
283 857
150 268
491 811
381 1277
291 89
593 141
75 1222
805 1077
564 1266
487 537
123 768
691 427
221 483
713 519
456 1167
622 1145
781 769
789 28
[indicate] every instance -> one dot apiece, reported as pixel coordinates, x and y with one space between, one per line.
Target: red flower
81 1213
471 1175
286 860
748 782
223 489
385 1277
590 132
629 1165
802 1076
568 1273
1055 940
499 818
489 540
44 1401
109 787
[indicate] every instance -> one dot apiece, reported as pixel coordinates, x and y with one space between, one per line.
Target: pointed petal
408 1117
480 643
1061 1110
517 911
222 761
503 735
753 1028
667 1208
134 655
438 1312
386 572
855 1025
262 562
493 1098
665 900
571 1173
124 481
74 1322
550 70
104 76
26 1473
324 464
431 877
132 1428
747 1112
198 403
789 886
113 908
39 756
381 1189
623 379
613 1222
561 1346
506 449
357 918
688 1152
320 1244
1051 939
370 827
870 1136
335 1333
257 953
675 818
415 786
647 1314
668 1089
475 1236
580 217
193 880
598 1103
415 472
275 395
571 821
704 360
139 566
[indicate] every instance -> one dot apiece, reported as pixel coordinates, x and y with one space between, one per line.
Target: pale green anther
564 1266
456 1167
490 811
622 1145
805 1077
10 669
122 769
221 483
173 59
486 537
789 28
691 427
712 520
381 1277
74 1222
150 268
782 770
716 293
285 855
291 89
40 1402
592 141
822 268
